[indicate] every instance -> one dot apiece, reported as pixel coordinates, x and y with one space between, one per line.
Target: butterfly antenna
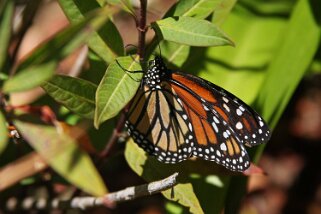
128 71
160 50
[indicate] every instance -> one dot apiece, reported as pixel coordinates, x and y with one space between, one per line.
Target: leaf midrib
69 93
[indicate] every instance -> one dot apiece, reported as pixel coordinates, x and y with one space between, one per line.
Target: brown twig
114 137
142 29
108 200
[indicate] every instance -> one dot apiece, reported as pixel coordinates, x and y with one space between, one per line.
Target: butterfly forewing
215 140
159 125
244 121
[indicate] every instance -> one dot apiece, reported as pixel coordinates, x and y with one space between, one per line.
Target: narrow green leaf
125 5
190 31
264 8
66 41
116 88
77 95
5 30
107 42
291 61
151 170
288 66
199 9
3 133
30 77
222 11
64 156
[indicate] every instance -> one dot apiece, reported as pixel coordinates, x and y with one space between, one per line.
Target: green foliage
276 42
74 93
30 77
116 88
199 9
291 61
101 42
63 155
3 133
151 169
190 31
6 12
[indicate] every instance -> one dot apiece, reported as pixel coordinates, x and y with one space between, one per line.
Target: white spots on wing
216 120
225 135
223 147
215 127
225 99
239 125
242 108
226 107
239 112
253 135
179 100
190 126
184 116
261 123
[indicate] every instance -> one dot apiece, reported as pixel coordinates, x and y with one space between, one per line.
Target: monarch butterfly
175 116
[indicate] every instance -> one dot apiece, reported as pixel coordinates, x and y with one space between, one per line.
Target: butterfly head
156 71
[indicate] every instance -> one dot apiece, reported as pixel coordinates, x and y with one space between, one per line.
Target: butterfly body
175 116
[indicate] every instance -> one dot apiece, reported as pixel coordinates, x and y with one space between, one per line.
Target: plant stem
141 27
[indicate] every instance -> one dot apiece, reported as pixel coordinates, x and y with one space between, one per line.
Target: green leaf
125 5
64 156
5 30
3 133
66 41
77 95
30 77
199 9
190 31
116 88
222 11
107 42
257 39
151 170
177 54
291 61
174 53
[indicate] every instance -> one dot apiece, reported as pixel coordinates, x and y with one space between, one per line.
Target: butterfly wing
182 116
215 139
248 126
158 124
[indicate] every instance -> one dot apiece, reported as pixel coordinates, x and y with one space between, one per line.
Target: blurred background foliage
275 67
